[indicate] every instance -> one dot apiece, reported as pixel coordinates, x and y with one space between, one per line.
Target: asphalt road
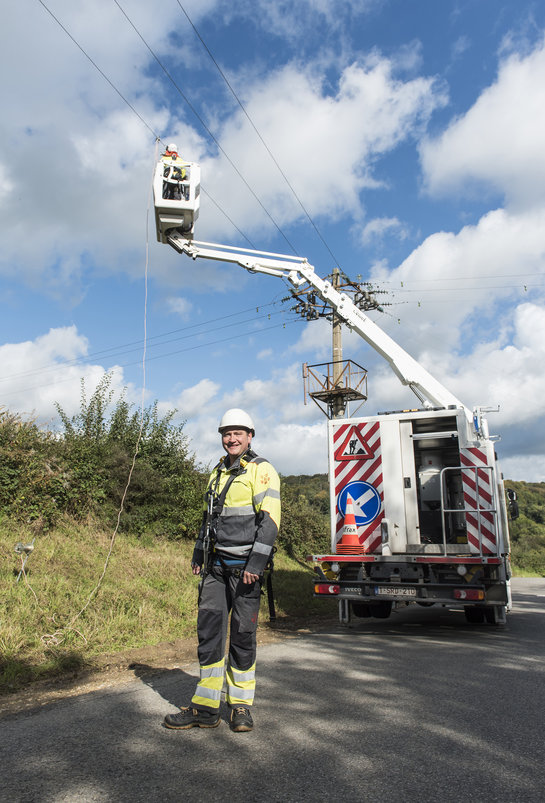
420 707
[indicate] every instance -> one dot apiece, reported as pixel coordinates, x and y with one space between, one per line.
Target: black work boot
192 718
240 719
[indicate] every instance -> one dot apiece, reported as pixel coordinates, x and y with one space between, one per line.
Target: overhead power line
245 112
95 65
127 348
150 128
475 276
470 288
224 213
204 125
222 340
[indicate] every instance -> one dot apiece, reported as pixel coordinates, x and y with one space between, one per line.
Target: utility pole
332 385
338 403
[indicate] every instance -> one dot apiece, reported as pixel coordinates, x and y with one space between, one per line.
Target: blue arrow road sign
366 499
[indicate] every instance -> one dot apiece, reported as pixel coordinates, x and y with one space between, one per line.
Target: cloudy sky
403 141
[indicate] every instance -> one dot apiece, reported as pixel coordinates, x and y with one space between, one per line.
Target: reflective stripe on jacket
248 523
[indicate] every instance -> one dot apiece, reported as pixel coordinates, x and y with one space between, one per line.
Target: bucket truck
422 485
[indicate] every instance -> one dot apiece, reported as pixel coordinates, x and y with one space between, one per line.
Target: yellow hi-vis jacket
246 527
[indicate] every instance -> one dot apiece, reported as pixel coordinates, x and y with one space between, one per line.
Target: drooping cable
59 634
224 213
169 353
95 65
245 112
127 348
132 108
205 126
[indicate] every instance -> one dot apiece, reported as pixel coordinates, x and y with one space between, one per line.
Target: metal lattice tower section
332 385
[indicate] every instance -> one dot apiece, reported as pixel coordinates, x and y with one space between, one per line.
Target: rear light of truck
326 588
469 593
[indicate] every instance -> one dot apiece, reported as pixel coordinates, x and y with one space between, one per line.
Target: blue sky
412 131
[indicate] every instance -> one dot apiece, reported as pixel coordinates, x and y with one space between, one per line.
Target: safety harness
214 507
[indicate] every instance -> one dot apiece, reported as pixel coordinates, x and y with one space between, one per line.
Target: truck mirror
513 504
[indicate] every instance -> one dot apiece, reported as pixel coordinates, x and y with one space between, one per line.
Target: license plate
395 591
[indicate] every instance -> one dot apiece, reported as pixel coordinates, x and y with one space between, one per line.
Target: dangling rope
58 636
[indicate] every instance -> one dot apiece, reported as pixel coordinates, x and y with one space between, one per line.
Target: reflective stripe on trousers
208 691
240 686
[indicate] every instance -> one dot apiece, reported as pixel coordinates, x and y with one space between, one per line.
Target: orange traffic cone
349 543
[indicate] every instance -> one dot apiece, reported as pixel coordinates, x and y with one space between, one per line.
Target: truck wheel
360 609
381 610
474 615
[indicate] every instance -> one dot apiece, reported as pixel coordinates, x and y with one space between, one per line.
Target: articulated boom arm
298 272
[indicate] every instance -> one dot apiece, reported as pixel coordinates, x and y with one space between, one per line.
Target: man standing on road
242 519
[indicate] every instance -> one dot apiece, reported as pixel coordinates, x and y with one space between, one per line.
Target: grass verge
518 572
148 596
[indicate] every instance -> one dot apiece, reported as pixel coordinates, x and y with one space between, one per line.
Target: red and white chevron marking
370 470
478 497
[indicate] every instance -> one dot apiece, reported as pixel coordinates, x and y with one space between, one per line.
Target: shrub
84 468
305 527
33 475
165 494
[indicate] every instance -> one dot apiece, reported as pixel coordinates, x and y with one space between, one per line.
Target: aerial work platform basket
176 192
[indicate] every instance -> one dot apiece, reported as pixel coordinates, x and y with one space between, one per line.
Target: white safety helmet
236 418
173 148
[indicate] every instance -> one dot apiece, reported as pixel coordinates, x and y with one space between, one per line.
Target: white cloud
86 203
508 375
77 162
291 435
484 343
500 141
473 269
290 20
460 46
179 306
379 227
315 341
530 468
502 371
296 448
48 370
370 113
276 406
6 185
191 401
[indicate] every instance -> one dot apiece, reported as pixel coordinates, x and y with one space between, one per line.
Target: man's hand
248 578
196 569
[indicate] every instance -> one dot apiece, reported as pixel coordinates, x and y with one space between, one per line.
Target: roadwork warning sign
354 446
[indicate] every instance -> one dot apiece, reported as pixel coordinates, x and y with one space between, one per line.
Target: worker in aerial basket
174 172
234 548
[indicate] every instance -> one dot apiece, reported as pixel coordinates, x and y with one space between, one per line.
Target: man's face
235 441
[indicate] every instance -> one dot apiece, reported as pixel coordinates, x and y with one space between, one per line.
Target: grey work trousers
224 593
